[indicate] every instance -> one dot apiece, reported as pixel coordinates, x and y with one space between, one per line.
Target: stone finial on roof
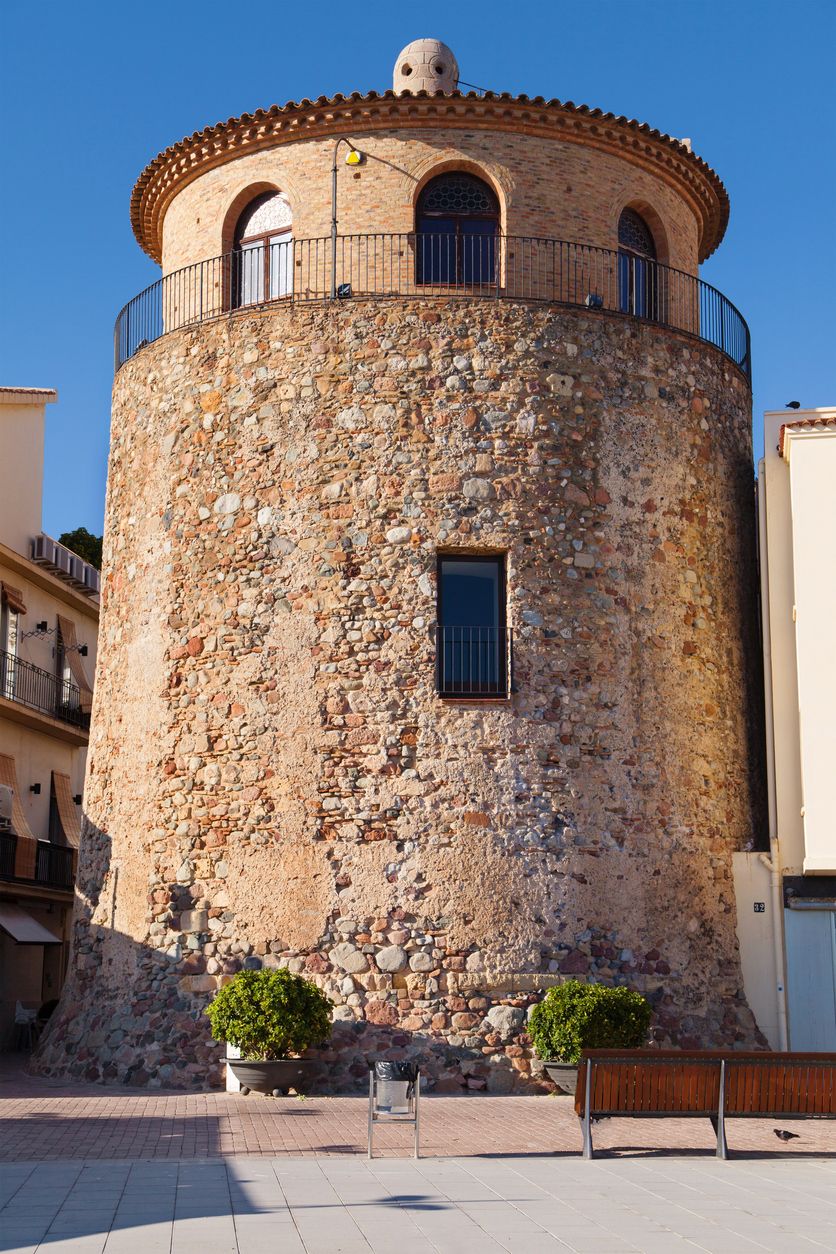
426 65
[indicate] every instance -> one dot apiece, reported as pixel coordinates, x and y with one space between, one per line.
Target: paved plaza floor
93 1170
398 1206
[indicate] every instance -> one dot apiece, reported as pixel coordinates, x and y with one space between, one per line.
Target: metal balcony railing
8 854
473 662
54 865
380 266
40 690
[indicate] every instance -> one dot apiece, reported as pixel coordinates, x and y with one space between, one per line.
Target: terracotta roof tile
822 423
191 156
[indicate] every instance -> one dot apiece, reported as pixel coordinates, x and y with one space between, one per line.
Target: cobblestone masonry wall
273 778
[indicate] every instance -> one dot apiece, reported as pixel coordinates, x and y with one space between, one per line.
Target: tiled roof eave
804 424
633 141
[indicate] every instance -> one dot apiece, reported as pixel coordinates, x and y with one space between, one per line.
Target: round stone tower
428 660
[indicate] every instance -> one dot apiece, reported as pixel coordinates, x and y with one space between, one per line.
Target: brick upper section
667 160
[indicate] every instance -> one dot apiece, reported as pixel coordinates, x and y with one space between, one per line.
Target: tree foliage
84 544
575 1016
270 1014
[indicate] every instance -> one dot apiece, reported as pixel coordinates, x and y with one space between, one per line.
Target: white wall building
795 997
49 614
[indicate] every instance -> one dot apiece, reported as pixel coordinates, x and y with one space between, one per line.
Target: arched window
456 223
263 251
638 273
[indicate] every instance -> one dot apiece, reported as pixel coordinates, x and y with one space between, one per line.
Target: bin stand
378 1111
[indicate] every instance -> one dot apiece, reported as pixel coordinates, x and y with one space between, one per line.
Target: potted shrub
270 1016
575 1016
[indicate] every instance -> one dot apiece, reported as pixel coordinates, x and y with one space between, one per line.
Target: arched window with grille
263 251
456 225
638 272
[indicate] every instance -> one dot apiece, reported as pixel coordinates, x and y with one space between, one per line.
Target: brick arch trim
239 203
453 162
655 224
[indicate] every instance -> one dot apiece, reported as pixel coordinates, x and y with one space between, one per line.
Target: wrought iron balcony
502 267
8 854
473 662
40 690
53 863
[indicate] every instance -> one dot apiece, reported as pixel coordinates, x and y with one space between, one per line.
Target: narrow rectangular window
472 652
10 606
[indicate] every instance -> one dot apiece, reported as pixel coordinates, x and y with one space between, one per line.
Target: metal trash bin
394 1090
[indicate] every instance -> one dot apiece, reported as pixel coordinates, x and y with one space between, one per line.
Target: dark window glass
638 273
472 638
456 222
56 830
634 234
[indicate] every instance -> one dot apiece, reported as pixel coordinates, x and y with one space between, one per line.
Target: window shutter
75 662
67 811
13 598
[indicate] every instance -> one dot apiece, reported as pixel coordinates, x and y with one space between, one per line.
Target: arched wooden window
456 223
263 251
638 273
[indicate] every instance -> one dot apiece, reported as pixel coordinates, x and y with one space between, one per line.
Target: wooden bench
709 1084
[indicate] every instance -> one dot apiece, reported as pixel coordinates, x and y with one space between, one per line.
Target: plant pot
564 1075
274 1076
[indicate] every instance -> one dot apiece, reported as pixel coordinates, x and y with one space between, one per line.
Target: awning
26 844
67 809
13 598
22 928
73 659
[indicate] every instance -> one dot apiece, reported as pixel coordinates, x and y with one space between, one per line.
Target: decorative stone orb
426 65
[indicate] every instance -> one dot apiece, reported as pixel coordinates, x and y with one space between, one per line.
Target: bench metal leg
371 1111
720 1121
586 1122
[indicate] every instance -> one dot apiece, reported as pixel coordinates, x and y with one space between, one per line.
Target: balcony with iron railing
388 266
53 868
27 685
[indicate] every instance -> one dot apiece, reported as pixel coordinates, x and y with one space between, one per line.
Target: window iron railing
8 854
40 690
474 662
501 267
54 865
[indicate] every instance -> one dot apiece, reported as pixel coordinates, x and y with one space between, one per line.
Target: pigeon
783 1135
793 405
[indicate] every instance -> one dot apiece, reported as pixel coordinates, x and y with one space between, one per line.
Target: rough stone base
274 779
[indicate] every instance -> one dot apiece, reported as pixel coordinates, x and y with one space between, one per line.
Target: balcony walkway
433 267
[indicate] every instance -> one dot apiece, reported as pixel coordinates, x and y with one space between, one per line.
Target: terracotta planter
564 1075
274 1076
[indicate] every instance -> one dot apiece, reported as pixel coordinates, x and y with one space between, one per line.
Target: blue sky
90 92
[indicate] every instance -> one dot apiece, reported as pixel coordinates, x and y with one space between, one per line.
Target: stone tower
427 661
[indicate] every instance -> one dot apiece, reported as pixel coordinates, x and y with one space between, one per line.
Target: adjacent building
49 611
429 662
788 907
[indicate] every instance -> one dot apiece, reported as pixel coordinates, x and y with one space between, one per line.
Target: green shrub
575 1016
270 1014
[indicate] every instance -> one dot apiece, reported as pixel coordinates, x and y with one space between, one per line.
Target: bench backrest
790 1087
688 1082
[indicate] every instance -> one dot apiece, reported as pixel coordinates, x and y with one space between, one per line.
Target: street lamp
353 157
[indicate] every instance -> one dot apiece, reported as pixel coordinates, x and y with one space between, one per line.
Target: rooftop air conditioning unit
6 798
91 578
43 550
64 559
